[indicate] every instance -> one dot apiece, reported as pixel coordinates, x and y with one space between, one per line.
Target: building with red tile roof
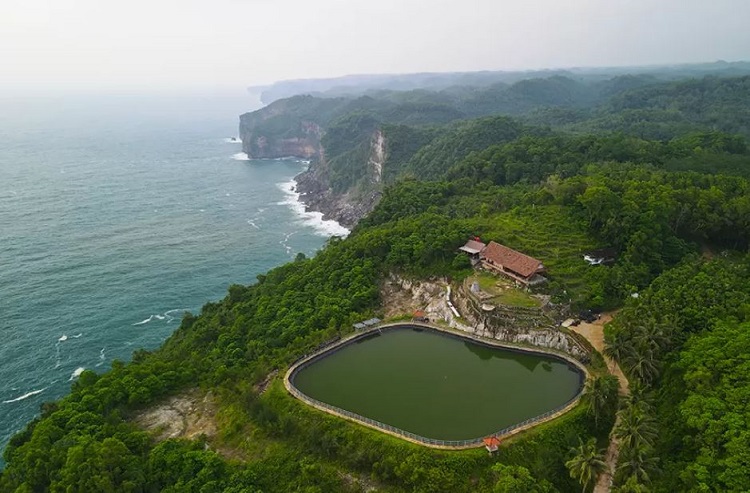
516 265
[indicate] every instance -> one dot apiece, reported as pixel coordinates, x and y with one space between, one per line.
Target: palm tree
587 463
601 396
618 346
642 364
630 486
636 428
639 397
637 463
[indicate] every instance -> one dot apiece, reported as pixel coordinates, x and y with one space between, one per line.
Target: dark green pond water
438 386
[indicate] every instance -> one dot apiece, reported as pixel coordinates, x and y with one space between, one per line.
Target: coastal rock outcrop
349 207
277 131
257 143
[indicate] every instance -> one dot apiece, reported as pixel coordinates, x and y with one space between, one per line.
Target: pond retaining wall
309 359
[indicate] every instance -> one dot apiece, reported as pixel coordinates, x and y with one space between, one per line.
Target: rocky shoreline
346 209
314 185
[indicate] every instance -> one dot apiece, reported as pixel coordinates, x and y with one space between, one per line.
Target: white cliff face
352 205
377 156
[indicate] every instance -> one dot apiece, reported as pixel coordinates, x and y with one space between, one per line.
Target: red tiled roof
511 259
492 441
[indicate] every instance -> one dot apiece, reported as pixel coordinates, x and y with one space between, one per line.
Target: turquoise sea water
117 214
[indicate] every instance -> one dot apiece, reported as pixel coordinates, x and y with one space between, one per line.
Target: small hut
491 444
473 248
420 316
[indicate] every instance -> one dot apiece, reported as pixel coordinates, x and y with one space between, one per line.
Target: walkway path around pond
594 333
411 437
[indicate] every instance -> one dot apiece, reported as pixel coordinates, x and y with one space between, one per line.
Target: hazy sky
137 44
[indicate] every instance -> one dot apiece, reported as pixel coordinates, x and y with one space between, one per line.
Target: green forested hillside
666 110
596 191
448 81
675 208
684 344
427 132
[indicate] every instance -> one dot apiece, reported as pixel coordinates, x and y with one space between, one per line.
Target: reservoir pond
439 386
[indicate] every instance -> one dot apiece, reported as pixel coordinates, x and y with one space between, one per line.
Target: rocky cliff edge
268 134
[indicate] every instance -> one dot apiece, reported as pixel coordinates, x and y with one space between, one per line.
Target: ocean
117 215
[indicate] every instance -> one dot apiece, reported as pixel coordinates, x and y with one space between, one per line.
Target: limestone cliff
290 128
257 144
351 205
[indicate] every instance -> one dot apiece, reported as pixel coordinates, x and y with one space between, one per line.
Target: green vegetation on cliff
425 133
548 189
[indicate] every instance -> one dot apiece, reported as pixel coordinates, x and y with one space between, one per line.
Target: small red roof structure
473 247
491 444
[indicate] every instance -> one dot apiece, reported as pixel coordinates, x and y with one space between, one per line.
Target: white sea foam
25 396
285 242
166 316
312 219
241 156
76 373
169 313
57 355
77 335
233 140
62 338
143 322
252 223
101 358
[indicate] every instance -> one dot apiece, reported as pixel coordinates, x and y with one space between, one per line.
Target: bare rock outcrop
187 415
348 207
432 296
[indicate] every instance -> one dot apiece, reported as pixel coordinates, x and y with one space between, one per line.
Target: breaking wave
313 219
76 373
25 396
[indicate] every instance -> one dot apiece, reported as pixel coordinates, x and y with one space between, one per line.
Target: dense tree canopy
669 185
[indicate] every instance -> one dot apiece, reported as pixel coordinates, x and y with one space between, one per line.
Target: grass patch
503 291
553 235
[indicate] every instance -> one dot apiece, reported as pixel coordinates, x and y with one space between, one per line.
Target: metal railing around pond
308 359
428 441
